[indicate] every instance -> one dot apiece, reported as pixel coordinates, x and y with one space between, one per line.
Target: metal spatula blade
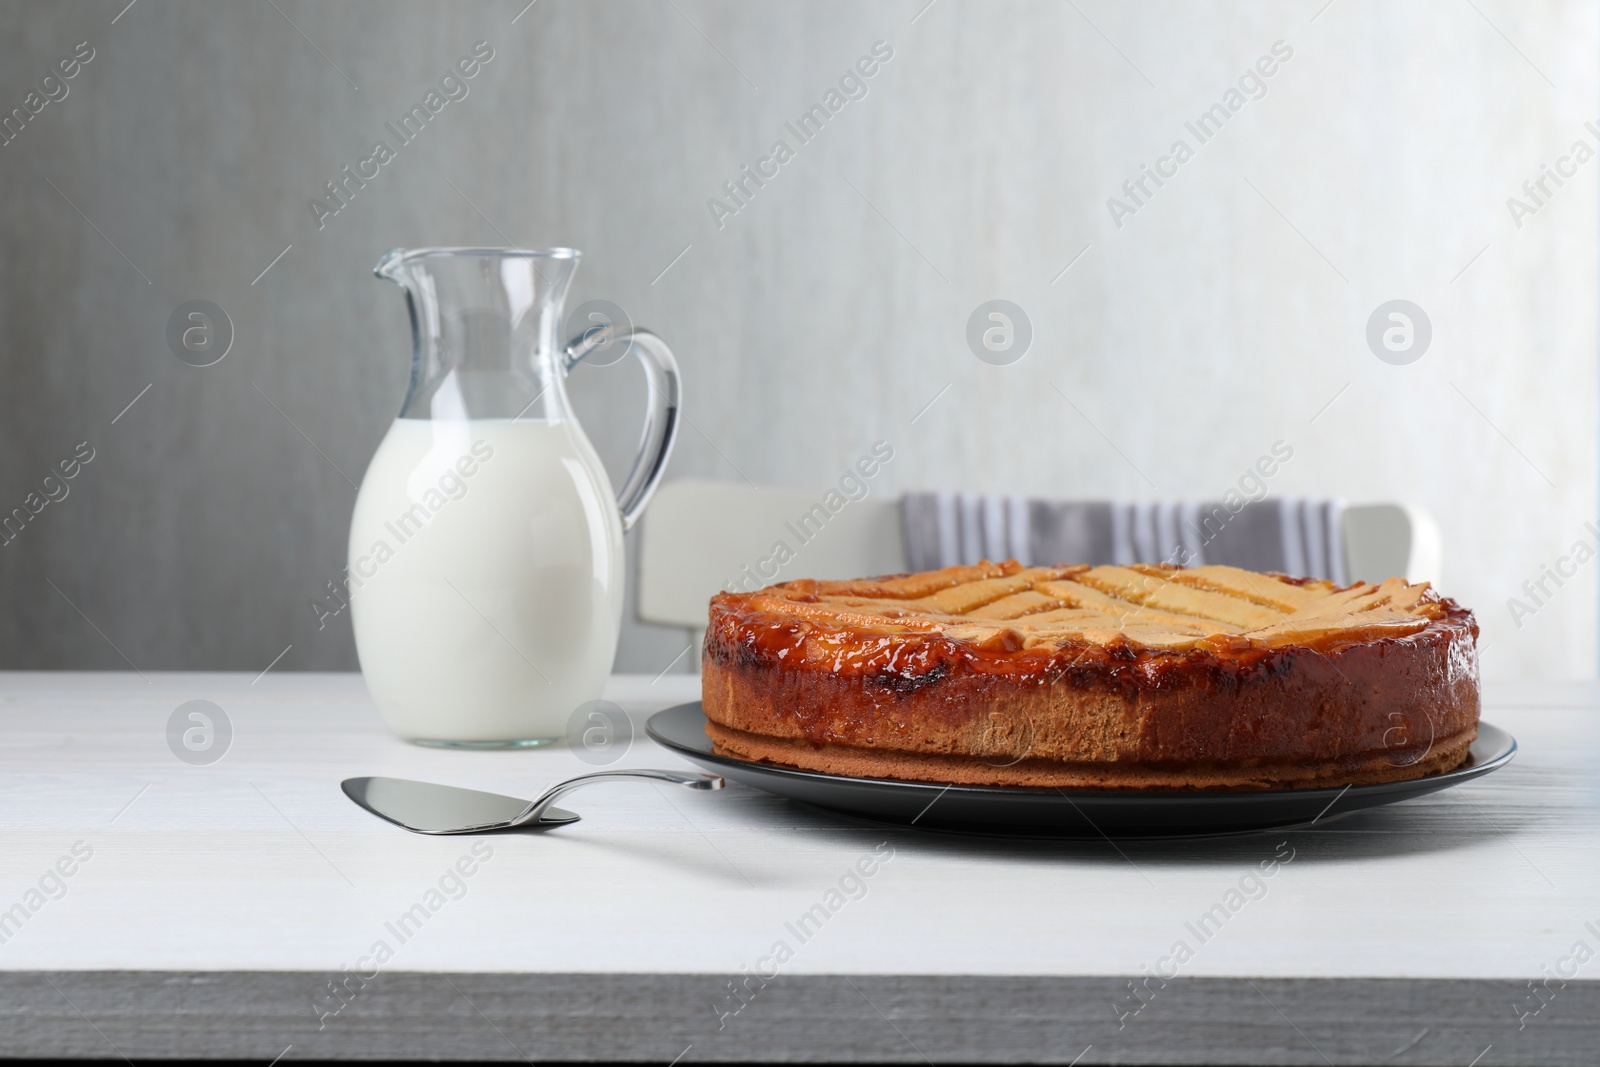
429 808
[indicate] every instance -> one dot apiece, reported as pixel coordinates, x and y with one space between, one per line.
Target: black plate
1062 813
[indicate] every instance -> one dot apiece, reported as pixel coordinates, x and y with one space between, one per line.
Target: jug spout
485 328
392 266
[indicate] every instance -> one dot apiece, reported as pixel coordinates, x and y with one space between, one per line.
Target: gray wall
1227 313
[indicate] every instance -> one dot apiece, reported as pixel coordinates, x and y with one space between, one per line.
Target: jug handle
661 414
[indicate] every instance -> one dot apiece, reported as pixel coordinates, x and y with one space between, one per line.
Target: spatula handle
687 779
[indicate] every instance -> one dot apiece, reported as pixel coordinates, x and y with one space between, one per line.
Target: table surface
209 907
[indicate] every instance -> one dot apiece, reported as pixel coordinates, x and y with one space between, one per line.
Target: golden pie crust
1139 677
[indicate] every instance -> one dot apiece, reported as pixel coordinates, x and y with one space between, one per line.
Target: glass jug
486 562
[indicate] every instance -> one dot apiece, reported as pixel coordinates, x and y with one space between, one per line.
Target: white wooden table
208 908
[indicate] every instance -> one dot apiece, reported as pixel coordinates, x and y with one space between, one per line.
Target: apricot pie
1139 677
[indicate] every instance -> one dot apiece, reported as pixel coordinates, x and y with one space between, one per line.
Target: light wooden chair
700 537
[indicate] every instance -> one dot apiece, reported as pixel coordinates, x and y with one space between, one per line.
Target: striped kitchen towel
1293 536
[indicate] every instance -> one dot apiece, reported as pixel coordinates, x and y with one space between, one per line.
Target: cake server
428 808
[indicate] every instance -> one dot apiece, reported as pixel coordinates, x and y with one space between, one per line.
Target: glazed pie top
1128 611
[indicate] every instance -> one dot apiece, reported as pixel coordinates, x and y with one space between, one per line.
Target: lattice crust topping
1008 606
